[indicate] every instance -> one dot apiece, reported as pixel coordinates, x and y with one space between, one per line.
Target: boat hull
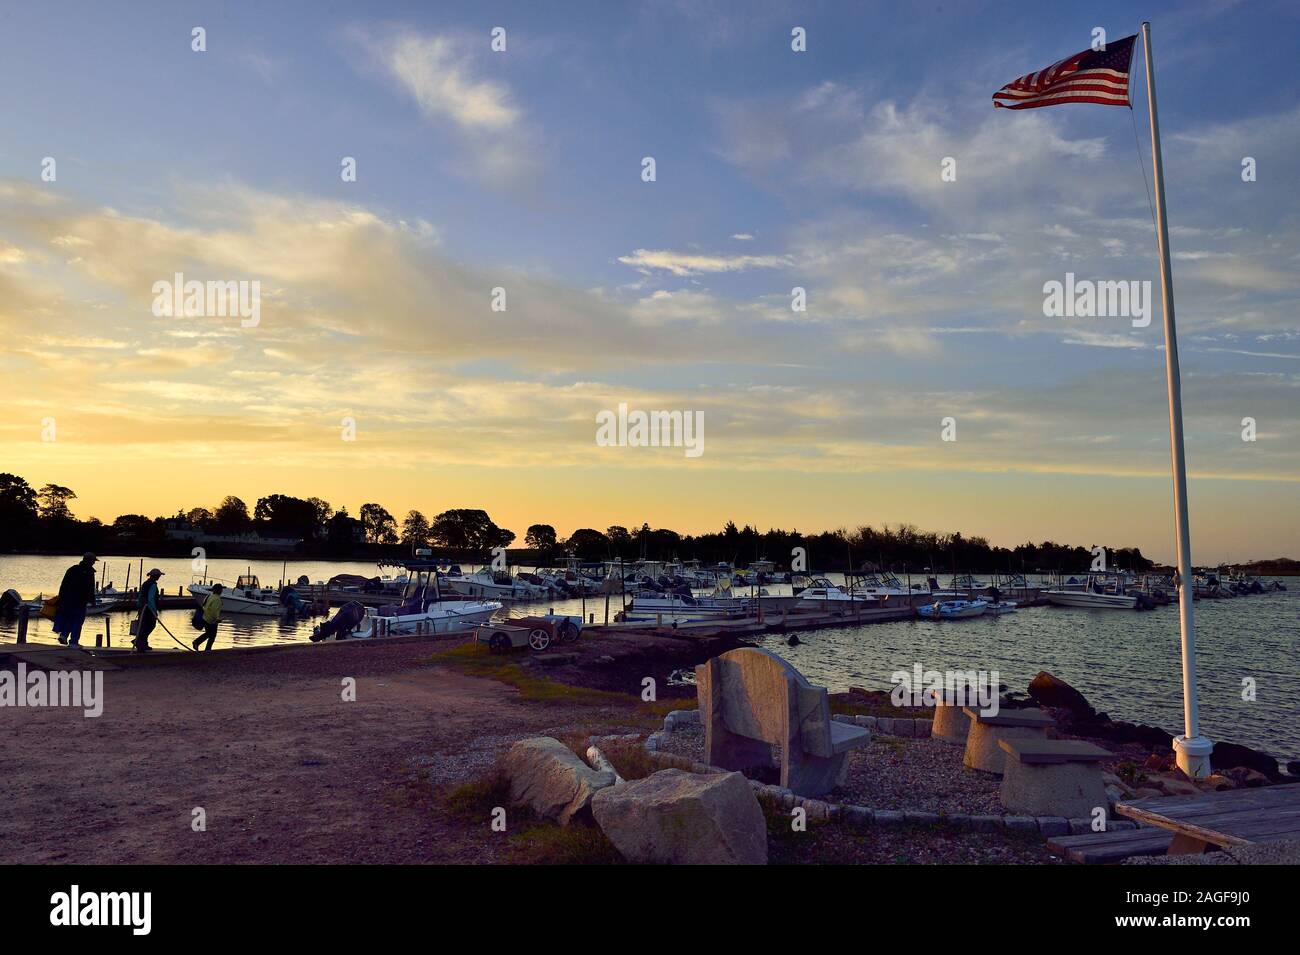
1090 601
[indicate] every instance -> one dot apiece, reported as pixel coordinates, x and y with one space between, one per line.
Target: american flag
1091 76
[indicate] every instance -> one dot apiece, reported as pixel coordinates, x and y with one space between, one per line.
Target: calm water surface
1126 663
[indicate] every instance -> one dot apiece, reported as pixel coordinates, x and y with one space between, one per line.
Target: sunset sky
523 170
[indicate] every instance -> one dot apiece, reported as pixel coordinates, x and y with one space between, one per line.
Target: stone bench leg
1072 790
814 775
950 724
982 750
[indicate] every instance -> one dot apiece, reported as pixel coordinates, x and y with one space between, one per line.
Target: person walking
211 617
147 608
76 592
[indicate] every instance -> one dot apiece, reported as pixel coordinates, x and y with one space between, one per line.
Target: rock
1246 777
1175 787
1048 690
677 817
1159 762
550 779
1228 755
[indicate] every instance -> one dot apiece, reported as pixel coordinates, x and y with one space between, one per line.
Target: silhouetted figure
147 608
211 617
75 594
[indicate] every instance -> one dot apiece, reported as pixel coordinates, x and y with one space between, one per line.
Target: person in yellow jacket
211 617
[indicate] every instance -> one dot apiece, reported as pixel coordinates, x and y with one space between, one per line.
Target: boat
1002 606
953 609
682 607
487 584
246 595
965 583
423 609
872 585
820 591
1091 600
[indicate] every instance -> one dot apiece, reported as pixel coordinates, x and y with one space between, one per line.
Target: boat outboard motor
347 619
10 601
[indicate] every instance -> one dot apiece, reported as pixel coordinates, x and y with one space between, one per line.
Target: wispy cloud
696 263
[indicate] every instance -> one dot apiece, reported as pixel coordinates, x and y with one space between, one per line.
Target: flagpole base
1193 756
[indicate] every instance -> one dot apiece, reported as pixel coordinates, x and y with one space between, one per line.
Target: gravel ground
893 773
284 769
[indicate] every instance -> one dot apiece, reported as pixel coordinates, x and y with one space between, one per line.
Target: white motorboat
822 592
953 609
487 584
247 595
423 610
681 607
1091 600
1002 606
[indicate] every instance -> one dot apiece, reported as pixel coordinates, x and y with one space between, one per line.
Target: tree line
42 519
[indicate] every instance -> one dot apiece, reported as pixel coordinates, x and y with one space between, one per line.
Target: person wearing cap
75 594
148 611
211 617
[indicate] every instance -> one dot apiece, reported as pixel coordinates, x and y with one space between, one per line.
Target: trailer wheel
567 631
539 639
499 643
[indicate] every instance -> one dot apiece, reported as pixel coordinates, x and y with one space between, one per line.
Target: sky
379 369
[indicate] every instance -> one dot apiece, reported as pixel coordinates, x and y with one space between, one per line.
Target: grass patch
630 758
475 659
473 801
579 843
529 840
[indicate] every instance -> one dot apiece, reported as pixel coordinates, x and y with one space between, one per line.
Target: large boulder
1052 691
549 778
1228 755
678 817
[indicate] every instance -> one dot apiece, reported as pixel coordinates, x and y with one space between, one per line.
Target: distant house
178 528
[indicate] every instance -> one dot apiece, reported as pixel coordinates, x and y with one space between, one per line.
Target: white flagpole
1192 750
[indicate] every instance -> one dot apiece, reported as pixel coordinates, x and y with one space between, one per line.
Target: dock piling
24 612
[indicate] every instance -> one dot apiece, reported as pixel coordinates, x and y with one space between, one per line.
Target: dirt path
284 768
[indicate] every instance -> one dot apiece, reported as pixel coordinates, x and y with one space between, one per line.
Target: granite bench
1053 777
950 724
760 712
986 732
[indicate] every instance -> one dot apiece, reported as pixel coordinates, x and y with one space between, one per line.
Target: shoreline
286 770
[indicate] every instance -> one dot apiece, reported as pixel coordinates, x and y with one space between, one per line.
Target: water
1126 663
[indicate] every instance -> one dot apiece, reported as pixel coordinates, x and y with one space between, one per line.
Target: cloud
444 75
693 263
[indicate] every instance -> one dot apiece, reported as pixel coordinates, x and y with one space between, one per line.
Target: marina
842 642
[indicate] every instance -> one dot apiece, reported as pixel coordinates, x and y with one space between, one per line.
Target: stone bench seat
1030 717
846 736
1053 777
986 732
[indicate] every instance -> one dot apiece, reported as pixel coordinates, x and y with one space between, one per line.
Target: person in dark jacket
148 611
75 594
